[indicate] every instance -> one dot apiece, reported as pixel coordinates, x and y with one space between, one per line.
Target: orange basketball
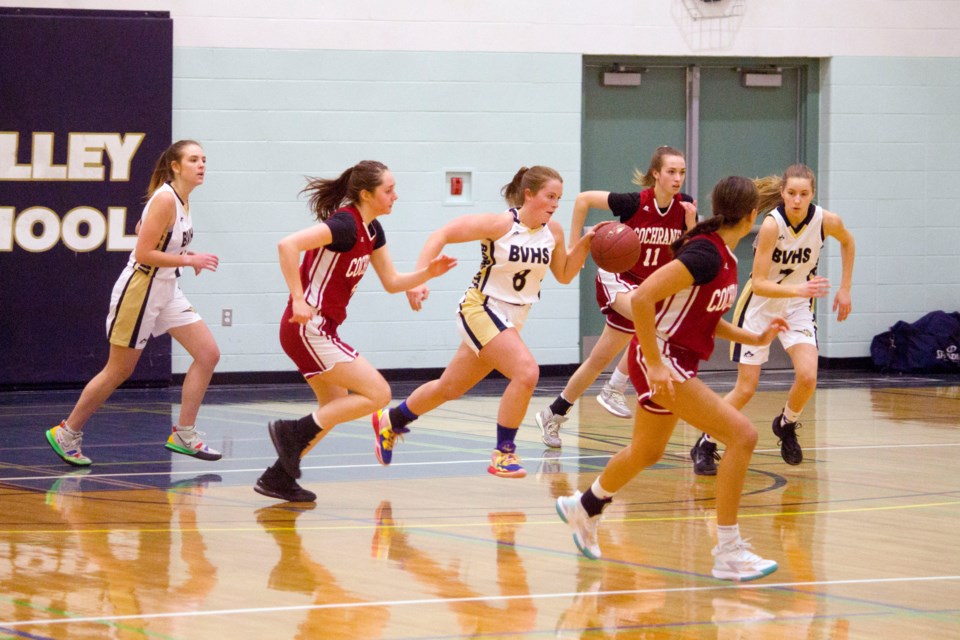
615 248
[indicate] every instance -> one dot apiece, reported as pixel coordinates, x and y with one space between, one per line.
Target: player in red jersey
677 312
659 214
338 250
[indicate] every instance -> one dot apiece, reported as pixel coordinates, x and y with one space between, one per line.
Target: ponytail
733 199
532 178
326 195
163 170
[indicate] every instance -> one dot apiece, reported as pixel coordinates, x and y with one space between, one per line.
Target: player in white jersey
518 247
784 283
147 301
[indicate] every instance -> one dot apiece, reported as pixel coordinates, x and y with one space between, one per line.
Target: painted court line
501 598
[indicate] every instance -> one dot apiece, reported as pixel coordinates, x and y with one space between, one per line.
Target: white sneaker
584 527
188 442
736 562
549 424
614 401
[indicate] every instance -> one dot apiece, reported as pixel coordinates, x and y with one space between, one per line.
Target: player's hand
816 287
416 297
440 265
689 206
201 261
302 312
776 327
660 381
597 228
842 304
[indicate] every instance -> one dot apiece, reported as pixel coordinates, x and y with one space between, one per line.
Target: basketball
615 248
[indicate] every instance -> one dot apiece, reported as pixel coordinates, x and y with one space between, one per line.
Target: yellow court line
451 525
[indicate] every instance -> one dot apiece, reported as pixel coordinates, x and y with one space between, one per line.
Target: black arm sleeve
623 205
344 231
701 259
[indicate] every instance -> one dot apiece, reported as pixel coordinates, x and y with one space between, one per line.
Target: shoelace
617 396
390 438
552 427
507 459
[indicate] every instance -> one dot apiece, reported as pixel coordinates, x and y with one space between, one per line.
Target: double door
706 109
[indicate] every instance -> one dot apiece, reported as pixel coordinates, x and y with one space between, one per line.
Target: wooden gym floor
148 544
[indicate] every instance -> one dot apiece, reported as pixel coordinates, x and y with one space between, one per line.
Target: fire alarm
456 186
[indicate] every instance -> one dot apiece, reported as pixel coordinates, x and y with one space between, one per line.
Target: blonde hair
771 187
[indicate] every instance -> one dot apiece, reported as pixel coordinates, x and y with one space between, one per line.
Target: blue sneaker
386 436
504 462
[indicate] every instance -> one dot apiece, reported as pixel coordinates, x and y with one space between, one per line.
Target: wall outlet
226 318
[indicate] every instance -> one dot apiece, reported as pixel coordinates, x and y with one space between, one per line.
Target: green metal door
703 107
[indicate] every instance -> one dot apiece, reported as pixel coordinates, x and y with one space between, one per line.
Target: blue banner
85 111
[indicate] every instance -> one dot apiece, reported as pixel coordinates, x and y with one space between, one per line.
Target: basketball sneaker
735 561
186 440
790 449
705 457
386 436
66 444
504 462
584 527
549 423
614 401
276 483
289 446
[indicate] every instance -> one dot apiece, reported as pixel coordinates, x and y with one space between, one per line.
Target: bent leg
120 365
197 339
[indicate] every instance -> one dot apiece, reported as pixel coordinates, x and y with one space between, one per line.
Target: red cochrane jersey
329 277
657 231
688 319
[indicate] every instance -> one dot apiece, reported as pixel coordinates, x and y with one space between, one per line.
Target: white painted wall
278 90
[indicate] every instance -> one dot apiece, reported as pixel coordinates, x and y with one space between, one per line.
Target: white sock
599 491
707 438
618 381
789 415
178 427
727 534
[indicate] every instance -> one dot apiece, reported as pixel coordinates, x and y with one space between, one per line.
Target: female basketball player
147 301
337 251
677 311
784 283
517 248
659 214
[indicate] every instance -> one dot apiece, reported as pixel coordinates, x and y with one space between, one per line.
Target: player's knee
807 378
208 357
380 394
743 435
530 376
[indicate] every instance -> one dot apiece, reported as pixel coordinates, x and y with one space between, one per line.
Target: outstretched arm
395 282
584 202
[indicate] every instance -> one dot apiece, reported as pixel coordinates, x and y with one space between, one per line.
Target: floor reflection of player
607 604
297 572
517 615
128 573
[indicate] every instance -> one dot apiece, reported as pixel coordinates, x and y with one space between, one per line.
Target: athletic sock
593 503
505 434
618 380
789 415
560 406
727 534
401 416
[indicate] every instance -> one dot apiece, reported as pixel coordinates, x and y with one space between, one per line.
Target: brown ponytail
532 178
326 195
733 199
163 170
